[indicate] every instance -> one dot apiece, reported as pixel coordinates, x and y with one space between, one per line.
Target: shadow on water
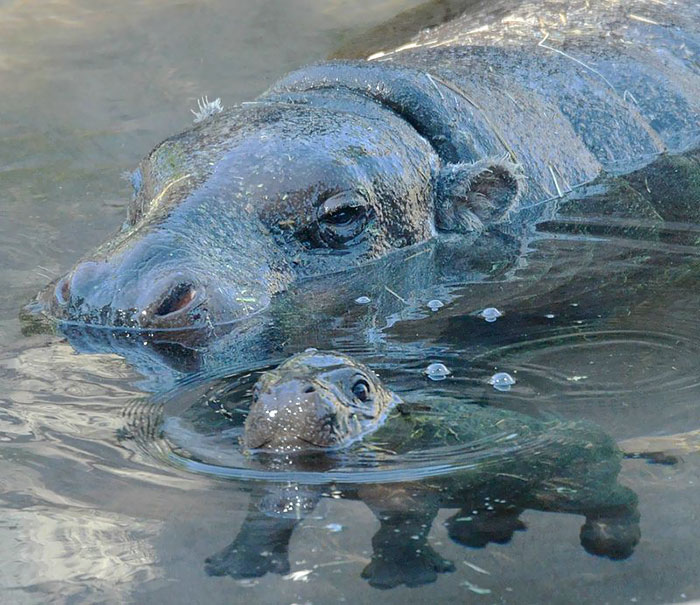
113 494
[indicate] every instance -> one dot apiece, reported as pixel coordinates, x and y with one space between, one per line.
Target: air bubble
502 381
363 300
490 314
437 371
435 304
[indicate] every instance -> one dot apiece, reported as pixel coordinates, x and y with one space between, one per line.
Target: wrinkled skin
344 163
549 466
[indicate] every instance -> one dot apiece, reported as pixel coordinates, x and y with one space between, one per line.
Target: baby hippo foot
239 561
477 529
612 537
412 567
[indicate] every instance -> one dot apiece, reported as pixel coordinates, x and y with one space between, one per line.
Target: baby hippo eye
361 390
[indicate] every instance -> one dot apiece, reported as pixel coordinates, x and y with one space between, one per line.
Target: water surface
599 324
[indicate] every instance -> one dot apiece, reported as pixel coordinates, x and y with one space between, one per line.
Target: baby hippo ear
471 197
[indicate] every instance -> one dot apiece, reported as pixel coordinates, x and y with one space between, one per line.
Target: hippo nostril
310 389
179 298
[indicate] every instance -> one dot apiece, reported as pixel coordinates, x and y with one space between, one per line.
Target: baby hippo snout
298 414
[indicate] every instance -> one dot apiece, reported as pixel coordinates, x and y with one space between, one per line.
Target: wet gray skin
636 206
340 164
315 400
318 404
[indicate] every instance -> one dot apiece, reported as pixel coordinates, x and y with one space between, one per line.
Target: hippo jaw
315 401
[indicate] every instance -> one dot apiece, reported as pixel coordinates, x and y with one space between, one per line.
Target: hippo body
473 126
309 413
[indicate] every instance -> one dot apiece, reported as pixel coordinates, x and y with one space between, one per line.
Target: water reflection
489 464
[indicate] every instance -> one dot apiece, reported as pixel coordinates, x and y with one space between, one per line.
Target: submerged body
319 407
473 125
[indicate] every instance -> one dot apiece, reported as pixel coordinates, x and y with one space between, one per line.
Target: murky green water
600 324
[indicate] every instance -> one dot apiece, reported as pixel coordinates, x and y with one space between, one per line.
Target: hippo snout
299 414
93 294
103 293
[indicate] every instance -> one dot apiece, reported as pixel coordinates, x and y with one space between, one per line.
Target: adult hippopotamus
472 125
318 410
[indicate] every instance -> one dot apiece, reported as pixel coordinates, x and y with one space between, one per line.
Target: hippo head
231 212
315 400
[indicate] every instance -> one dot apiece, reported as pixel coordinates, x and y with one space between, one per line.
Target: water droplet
490 314
502 381
334 527
363 300
437 371
435 304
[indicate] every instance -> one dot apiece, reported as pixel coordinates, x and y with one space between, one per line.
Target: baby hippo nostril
180 297
310 389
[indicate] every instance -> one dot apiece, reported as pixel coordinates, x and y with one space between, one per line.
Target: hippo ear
471 197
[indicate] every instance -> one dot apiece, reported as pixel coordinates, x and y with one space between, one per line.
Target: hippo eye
341 218
361 390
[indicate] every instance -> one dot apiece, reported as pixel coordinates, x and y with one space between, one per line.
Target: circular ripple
600 363
198 429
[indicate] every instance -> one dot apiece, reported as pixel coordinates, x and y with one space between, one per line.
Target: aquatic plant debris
206 109
476 567
490 314
437 371
299 576
502 381
476 589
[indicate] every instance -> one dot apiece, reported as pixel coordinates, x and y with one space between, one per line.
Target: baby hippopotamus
315 400
319 409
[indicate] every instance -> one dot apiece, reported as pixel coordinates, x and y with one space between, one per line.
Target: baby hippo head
315 400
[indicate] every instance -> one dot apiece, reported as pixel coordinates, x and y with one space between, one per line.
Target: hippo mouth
180 304
324 435
298 443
